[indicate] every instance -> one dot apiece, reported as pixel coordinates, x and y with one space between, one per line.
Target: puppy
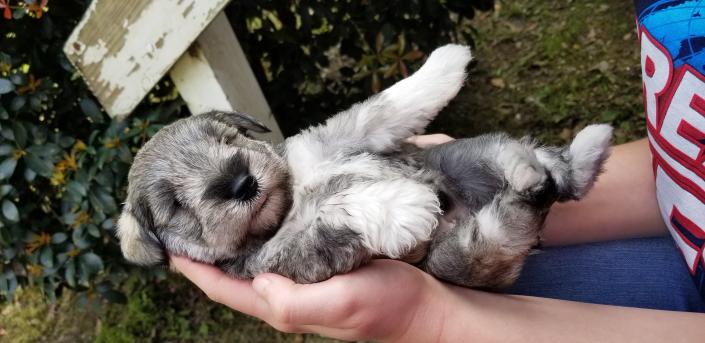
339 194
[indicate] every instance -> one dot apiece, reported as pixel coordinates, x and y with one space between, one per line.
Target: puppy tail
575 168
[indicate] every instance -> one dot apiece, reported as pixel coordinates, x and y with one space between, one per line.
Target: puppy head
201 187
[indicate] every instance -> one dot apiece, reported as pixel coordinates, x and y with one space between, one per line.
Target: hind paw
522 170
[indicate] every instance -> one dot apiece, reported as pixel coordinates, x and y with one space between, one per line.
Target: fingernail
260 285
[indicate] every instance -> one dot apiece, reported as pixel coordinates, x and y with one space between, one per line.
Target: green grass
549 68
543 69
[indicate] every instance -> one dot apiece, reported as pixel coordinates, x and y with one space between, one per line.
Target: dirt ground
545 68
548 68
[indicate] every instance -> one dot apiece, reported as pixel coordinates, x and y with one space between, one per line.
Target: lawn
545 68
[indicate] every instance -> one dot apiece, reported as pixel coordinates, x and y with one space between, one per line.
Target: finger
425 141
219 287
305 306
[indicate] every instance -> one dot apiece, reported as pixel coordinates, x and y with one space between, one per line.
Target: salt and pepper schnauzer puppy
339 194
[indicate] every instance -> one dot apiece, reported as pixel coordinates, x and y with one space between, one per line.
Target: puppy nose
244 186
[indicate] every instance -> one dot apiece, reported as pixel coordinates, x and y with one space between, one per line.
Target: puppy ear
137 225
138 243
239 120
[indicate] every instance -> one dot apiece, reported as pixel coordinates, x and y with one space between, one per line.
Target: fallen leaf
603 66
592 34
566 134
498 82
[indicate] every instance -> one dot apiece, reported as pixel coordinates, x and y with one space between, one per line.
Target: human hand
427 141
385 300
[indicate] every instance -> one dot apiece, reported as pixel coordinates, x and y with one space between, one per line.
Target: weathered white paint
214 75
122 48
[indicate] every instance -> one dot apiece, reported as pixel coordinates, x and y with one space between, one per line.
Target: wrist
427 321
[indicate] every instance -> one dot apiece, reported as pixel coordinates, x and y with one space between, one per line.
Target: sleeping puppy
339 194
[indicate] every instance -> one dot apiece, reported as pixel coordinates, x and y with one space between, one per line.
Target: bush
315 58
63 162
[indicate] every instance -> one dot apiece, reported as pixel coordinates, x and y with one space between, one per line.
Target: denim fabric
647 273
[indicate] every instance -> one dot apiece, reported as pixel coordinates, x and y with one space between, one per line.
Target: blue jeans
648 273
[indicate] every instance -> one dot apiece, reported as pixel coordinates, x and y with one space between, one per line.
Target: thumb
269 285
294 303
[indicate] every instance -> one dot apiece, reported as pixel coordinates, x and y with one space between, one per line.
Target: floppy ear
140 218
138 243
239 120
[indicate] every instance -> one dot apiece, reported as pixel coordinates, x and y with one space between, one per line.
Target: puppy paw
588 152
311 255
521 169
524 177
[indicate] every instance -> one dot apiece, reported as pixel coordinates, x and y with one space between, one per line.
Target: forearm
621 205
470 315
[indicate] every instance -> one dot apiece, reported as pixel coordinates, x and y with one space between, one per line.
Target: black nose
244 186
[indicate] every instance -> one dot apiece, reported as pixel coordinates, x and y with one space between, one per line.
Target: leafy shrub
314 58
64 163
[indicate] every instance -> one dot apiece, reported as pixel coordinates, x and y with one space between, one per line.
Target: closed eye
230 139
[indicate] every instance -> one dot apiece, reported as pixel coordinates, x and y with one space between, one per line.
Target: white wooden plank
214 75
122 48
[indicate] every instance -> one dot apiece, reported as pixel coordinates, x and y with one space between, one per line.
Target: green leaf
42 166
108 224
35 103
20 133
70 273
102 200
9 253
46 257
6 86
77 188
7 133
92 262
45 150
93 230
59 238
91 109
18 79
79 239
17 103
29 175
5 190
6 149
124 154
9 210
66 142
7 168
39 135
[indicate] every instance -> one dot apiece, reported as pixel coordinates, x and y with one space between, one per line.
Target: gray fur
336 195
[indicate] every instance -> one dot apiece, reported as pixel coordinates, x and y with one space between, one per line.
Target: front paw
308 257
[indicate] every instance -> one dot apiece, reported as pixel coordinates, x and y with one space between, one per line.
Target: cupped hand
384 300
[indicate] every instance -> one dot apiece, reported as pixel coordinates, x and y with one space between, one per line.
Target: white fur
558 170
381 122
128 231
588 150
521 167
490 226
392 216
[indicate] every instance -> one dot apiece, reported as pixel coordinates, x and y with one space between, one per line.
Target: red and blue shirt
672 38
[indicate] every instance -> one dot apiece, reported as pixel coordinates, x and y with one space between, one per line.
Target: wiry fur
341 193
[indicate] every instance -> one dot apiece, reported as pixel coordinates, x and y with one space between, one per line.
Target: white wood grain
122 48
214 75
